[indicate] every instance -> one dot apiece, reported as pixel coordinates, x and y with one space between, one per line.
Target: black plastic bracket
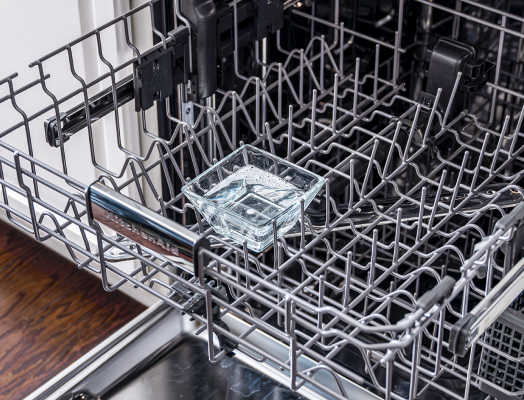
458 337
436 295
269 17
476 74
446 60
158 72
196 303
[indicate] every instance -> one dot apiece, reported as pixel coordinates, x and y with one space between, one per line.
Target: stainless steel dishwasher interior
402 279
109 371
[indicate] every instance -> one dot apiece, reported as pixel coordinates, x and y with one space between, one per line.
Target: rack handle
469 328
144 226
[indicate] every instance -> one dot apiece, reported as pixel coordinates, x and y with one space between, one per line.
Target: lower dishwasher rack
388 287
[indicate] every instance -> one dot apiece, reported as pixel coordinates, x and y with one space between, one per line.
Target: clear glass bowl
244 193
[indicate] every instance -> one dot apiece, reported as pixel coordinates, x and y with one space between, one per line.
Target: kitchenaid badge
133 232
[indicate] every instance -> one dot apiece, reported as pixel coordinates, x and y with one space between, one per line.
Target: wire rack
345 106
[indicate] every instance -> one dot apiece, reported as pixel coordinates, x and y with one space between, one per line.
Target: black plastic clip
476 74
161 70
269 17
196 303
458 337
438 294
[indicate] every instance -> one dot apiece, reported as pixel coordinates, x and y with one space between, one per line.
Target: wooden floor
50 313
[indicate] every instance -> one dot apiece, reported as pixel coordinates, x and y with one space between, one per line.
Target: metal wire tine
288 318
320 317
459 179
246 262
497 71
400 20
351 183
372 265
363 191
162 206
391 149
421 214
347 284
450 102
279 100
411 132
113 87
153 27
270 138
234 119
313 120
302 225
335 105
290 135
516 133
209 317
27 131
375 76
328 204
137 183
341 55
86 102
289 308
235 40
57 114
275 244
479 163
257 106
355 93
437 198
322 62
499 144
398 226
431 116
128 41
395 60
301 79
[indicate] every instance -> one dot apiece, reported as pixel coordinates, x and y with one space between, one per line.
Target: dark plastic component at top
202 17
269 17
437 294
459 334
475 75
160 70
446 60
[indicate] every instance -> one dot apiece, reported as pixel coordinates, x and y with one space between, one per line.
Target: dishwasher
392 129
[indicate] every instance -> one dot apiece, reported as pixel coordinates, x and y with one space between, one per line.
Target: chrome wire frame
353 283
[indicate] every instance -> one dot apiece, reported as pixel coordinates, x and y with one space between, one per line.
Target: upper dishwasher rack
339 90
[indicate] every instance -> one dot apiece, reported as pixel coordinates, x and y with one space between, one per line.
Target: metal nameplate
145 227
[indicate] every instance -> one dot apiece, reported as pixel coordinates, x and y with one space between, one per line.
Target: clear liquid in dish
254 194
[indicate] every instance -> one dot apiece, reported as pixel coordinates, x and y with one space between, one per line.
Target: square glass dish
244 193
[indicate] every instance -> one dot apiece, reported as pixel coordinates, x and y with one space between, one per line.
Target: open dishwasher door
374 148
157 355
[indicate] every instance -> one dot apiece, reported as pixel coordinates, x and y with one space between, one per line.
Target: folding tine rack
412 111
